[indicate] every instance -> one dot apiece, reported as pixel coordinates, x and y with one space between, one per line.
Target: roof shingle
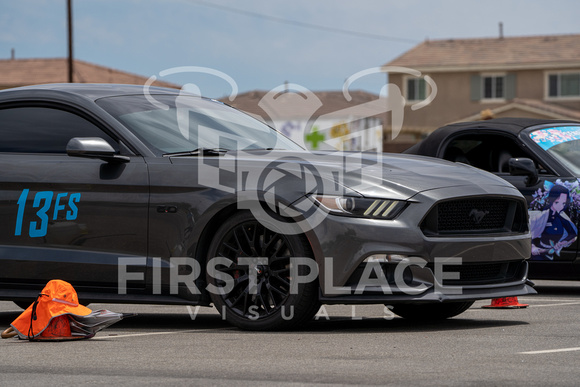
22 72
528 51
291 106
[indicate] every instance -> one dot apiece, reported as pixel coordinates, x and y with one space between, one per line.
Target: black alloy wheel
261 296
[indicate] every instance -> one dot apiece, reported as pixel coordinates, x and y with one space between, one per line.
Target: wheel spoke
277 261
280 249
268 243
227 246
241 280
240 247
251 239
271 295
283 272
246 296
283 280
236 300
255 240
273 289
266 305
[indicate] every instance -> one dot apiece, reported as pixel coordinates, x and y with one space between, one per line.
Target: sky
261 44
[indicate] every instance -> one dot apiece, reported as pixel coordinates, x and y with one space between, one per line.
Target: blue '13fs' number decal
43 201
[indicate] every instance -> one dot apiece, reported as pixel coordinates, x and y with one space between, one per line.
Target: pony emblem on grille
477 216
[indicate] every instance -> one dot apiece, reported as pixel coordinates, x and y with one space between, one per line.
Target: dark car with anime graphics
137 194
539 157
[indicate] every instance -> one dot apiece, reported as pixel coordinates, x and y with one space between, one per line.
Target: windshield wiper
198 151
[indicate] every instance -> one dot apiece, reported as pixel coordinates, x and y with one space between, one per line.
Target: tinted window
43 130
487 152
180 123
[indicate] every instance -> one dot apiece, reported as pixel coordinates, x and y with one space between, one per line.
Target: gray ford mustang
136 194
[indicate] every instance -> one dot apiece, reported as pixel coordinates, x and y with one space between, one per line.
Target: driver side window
44 130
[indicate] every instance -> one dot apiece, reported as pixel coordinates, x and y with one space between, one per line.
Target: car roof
430 145
90 91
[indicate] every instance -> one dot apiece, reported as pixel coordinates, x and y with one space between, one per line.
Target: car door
491 151
65 217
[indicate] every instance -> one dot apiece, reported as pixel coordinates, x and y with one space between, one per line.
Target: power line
303 24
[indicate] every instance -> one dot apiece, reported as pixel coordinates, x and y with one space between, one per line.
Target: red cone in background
505 303
58 327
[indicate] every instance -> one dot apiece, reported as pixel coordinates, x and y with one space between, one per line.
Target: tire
270 306
431 312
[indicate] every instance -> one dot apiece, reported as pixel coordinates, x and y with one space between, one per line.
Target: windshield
180 123
563 143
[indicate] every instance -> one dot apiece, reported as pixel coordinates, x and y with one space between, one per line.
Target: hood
393 176
409 175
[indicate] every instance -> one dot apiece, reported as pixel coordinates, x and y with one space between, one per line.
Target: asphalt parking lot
164 345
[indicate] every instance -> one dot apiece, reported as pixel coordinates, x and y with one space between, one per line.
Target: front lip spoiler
431 297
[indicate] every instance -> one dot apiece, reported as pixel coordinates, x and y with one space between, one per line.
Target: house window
493 86
416 89
564 85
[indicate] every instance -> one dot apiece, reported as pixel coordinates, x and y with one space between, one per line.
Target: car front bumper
419 267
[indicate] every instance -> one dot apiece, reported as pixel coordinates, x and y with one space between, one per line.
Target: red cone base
505 303
58 327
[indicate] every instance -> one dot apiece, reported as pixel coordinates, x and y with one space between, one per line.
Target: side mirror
524 167
94 148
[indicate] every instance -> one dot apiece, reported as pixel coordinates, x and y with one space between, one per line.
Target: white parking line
113 336
543 299
562 303
480 309
550 351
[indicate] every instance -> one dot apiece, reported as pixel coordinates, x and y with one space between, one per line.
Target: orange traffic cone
505 303
58 327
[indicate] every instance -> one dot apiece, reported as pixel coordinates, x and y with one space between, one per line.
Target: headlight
360 207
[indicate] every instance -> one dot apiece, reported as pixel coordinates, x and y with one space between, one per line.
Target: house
22 72
319 120
531 76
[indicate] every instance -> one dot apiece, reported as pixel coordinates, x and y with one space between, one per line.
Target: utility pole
70 41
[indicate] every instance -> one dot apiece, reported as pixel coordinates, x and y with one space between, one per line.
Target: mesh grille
472 214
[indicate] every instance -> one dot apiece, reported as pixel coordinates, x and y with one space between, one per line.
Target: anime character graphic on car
541 158
552 230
